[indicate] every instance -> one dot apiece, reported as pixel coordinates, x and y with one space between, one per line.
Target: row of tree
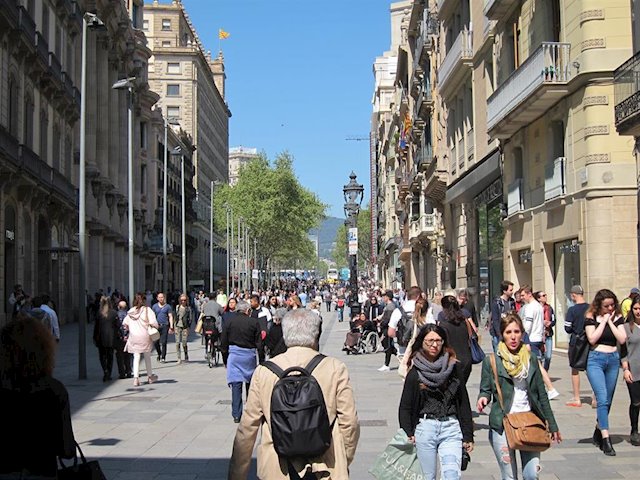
278 210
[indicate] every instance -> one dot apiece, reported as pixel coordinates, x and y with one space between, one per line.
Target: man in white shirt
532 314
408 306
55 323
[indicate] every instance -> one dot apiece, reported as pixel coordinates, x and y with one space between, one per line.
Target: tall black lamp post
353 194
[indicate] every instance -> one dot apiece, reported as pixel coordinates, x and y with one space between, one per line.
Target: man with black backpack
401 322
304 403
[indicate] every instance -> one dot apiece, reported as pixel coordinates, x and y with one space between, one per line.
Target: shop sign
489 194
10 235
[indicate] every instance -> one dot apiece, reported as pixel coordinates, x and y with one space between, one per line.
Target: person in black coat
274 341
434 407
106 335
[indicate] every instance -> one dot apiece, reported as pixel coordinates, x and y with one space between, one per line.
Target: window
135 13
145 25
173 67
166 43
28 122
173 112
143 179
45 23
56 144
173 90
44 134
68 64
13 106
58 45
166 24
143 134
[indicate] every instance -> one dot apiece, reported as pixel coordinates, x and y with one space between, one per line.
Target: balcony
56 71
424 157
9 147
422 227
626 88
437 177
26 31
497 9
457 62
398 206
470 145
424 104
446 7
515 201
401 101
424 40
555 178
530 90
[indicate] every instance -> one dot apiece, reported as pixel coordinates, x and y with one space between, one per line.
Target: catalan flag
222 34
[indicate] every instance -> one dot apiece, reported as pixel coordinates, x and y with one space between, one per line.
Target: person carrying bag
519 419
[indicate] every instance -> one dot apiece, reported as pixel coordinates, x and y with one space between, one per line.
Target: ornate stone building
191 87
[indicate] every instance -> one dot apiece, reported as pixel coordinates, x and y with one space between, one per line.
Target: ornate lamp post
353 194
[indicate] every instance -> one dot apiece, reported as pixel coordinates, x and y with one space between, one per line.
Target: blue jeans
536 349
548 350
340 314
507 459
236 398
161 343
443 439
602 372
494 343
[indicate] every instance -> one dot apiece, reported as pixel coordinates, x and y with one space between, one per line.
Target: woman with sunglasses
434 408
604 327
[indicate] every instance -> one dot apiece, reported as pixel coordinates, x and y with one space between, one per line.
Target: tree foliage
364 242
278 210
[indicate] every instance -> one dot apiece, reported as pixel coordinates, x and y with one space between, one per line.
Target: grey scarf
433 374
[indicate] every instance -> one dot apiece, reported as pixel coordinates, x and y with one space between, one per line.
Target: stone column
102 90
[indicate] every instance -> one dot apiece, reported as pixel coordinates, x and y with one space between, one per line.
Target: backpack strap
315 361
274 368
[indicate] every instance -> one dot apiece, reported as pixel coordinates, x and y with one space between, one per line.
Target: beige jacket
333 378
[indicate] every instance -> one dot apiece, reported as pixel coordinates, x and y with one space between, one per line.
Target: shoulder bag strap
314 363
495 378
273 368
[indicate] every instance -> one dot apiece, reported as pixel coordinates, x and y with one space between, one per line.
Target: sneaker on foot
635 439
384 368
553 393
152 378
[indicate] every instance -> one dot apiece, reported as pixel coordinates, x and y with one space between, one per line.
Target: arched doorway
9 253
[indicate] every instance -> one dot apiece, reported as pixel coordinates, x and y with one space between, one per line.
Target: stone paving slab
181 426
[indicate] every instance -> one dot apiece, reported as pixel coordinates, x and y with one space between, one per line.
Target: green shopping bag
399 461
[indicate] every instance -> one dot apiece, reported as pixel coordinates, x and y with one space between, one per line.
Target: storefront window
566 273
490 252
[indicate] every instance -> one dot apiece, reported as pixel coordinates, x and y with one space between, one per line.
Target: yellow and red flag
222 35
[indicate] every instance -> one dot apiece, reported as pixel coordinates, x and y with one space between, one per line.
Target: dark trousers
236 398
106 360
161 343
328 303
389 349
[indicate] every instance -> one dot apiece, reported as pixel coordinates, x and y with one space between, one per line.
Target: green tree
364 242
278 210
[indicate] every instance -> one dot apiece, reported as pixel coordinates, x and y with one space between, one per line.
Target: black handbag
80 470
579 352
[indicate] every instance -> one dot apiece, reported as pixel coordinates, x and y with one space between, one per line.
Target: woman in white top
422 315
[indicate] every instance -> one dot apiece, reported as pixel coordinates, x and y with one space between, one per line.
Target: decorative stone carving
593 43
595 100
595 14
596 130
597 158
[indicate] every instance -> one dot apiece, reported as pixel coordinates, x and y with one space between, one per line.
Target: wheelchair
362 339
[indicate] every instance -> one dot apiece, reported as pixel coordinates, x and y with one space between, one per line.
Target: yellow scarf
516 365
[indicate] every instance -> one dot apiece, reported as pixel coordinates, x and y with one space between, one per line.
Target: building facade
512 167
191 87
40 65
239 156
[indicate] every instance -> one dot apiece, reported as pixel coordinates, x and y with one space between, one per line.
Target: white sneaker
553 393
384 368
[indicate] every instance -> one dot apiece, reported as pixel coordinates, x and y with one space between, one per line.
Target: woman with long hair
549 324
454 320
604 327
421 316
106 335
522 391
434 407
631 367
294 302
137 321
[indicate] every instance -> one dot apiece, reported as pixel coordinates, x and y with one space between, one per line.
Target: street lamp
179 152
229 275
353 194
167 121
127 84
89 20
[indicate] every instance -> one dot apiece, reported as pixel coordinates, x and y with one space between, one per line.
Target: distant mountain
327 235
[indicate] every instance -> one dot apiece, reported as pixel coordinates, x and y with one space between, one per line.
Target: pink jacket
137 321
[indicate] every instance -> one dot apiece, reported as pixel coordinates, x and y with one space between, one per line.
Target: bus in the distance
332 275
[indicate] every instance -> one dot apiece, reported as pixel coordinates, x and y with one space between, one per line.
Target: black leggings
389 349
634 404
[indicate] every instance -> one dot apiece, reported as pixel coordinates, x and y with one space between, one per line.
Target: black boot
607 447
186 354
635 438
597 438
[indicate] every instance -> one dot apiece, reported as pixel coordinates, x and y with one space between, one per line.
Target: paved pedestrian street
181 426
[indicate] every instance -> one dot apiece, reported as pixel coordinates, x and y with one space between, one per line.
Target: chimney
217 68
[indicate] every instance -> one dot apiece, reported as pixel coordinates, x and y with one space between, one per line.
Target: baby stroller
362 339
211 337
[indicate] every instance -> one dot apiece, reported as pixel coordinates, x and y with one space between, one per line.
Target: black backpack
405 328
299 421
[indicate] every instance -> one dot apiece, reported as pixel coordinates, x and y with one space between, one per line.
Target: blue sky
299 78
